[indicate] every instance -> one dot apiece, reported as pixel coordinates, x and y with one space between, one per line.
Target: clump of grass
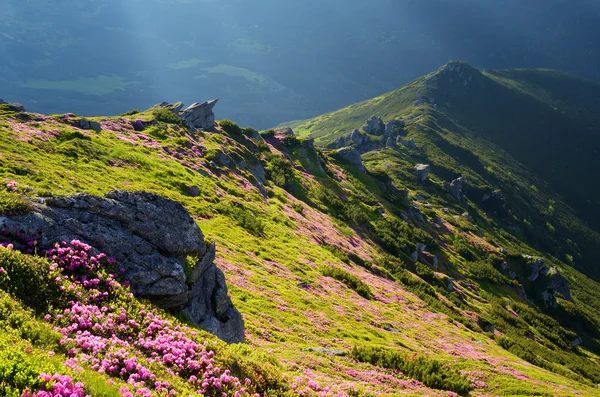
433 373
12 203
348 279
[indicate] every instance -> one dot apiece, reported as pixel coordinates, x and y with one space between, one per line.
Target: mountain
271 60
530 133
423 254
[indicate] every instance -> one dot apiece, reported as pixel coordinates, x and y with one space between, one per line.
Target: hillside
353 277
530 133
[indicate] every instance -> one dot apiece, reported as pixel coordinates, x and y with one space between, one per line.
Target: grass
279 250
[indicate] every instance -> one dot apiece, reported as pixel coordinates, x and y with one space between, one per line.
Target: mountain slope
529 132
348 283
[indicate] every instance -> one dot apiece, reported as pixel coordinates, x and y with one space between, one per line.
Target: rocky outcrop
200 115
422 171
352 156
549 279
374 126
407 143
151 237
538 266
15 107
394 127
456 188
286 131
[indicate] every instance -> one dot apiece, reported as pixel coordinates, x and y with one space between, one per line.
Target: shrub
431 372
131 112
30 280
299 208
230 127
12 203
166 116
280 171
348 279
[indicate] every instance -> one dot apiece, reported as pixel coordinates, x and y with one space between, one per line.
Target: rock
446 210
151 237
549 299
332 352
502 250
391 142
576 342
485 325
421 247
86 124
193 191
467 216
422 171
420 197
351 155
408 143
15 107
287 131
200 115
141 125
456 187
174 107
558 283
538 267
497 195
414 256
374 126
436 262
389 328
529 335
304 285
394 127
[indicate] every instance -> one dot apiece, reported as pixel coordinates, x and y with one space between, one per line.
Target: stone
391 142
86 124
538 266
558 283
151 237
287 131
408 143
15 107
436 262
394 127
421 247
389 328
200 115
331 352
414 256
496 195
193 191
351 155
422 171
450 287
576 342
374 126
467 216
141 125
456 187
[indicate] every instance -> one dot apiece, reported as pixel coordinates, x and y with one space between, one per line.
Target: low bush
431 372
348 279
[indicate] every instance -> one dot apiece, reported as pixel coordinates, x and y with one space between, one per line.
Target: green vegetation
349 279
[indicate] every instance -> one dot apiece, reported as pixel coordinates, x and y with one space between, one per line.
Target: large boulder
422 171
352 156
374 126
456 188
151 237
199 115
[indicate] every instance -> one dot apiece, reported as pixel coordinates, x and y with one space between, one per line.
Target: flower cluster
58 386
127 343
11 186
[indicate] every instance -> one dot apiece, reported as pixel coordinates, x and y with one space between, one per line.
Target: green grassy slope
318 256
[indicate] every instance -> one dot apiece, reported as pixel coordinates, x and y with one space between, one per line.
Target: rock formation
200 115
394 127
151 237
374 126
456 187
350 155
422 171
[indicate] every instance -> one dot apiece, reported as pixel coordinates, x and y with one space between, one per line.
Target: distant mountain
272 60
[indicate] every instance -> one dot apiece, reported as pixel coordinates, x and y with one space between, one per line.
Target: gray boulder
422 171
287 131
391 142
538 266
456 187
151 237
374 126
394 127
351 155
200 115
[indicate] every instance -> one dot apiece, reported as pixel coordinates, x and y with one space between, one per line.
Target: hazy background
271 60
